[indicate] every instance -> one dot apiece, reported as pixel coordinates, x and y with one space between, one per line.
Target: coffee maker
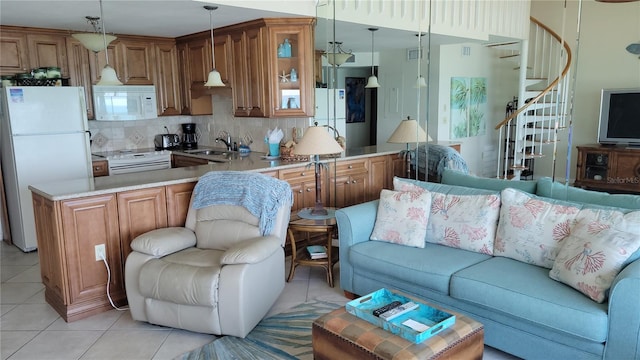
189 136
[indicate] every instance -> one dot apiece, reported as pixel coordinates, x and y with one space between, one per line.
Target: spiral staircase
530 128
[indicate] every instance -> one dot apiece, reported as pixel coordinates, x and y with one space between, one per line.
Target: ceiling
174 18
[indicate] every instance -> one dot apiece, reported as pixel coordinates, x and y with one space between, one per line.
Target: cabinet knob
300 191
308 190
350 166
302 174
346 182
353 181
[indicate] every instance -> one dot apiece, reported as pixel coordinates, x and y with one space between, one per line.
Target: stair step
518 167
528 94
528 119
533 81
509 56
503 45
533 156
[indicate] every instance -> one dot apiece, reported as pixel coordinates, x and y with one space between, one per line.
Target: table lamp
408 131
315 142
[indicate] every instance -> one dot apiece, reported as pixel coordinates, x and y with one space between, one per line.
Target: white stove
129 161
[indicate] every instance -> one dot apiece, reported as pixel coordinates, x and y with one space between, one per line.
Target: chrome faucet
227 142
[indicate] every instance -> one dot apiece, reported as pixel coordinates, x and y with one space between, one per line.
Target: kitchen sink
209 152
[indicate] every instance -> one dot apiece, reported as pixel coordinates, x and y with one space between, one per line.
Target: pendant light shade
214 79
337 56
108 75
373 79
421 82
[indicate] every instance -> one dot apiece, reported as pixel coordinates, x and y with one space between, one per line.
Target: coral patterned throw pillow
597 249
531 228
402 217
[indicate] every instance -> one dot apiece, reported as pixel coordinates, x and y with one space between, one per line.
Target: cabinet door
167 82
48 50
79 71
380 176
240 74
256 87
13 53
185 77
99 60
292 96
178 200
140 211
199 58
137 63
626 173
88 222
222 46
50 248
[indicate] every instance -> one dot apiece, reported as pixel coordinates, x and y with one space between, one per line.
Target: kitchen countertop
71 189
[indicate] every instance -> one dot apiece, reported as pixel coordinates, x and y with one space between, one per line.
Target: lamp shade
421 82
317 141
408 131
108 77
214 79
93 41
372 82
337 59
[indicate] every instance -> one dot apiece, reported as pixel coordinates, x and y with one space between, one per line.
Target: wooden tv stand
608 168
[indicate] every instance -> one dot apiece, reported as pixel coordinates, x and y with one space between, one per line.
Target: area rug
283 336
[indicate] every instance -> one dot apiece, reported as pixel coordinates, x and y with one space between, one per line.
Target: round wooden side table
327 226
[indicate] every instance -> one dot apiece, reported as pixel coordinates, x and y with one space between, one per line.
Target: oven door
117 167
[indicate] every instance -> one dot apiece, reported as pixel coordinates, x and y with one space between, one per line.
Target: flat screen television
619 117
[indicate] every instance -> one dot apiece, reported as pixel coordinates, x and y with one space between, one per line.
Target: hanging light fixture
93 41
420 81
373 79
108 75
214 78
337 56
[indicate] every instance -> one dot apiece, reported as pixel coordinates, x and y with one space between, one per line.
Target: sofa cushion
429 267
555 190
453 177
595 252
402 217
526 292
402 184
531 228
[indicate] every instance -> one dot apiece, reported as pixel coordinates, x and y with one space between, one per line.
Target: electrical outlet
100 252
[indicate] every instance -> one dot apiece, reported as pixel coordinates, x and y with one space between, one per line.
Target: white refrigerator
44 138
326 101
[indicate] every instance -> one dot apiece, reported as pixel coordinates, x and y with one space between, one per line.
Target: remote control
402 309
389 306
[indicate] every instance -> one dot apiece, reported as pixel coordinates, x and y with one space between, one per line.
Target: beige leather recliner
217 275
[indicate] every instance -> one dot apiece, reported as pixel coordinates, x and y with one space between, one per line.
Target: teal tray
436 319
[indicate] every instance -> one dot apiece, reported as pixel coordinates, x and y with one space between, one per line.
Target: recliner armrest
251 251
165 241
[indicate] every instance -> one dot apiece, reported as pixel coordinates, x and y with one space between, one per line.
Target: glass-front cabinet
291 75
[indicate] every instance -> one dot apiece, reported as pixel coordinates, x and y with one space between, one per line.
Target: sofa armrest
623 341
165 241
251 251
355 225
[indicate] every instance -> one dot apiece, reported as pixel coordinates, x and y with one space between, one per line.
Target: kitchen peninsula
73 217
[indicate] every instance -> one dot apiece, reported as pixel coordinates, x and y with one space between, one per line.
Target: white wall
480 152
603 62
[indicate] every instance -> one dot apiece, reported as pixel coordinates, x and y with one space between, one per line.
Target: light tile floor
31 329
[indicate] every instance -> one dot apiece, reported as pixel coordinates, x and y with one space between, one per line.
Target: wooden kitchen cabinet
137 63
100 168
13 53
78 58
194 59
68 231
47 50
303 185
184 161
381 174
98 62
249 91
178 200
291 95
167 80
140 211
350 183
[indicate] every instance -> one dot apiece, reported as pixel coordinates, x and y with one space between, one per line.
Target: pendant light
337 56
373 79
108 75
93 41
214 78
420 81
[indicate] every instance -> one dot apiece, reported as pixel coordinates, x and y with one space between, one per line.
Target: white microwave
122 103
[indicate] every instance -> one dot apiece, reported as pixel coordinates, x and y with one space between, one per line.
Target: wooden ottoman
340 335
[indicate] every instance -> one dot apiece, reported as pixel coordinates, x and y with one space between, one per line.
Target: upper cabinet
167 80
247 59
47 50
138 62
13 52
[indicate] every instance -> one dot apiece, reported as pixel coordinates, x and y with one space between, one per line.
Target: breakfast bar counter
74 218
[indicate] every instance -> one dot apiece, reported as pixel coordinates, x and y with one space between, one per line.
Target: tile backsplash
125 135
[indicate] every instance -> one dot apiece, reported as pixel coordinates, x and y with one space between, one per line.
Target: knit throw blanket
260 194
440 157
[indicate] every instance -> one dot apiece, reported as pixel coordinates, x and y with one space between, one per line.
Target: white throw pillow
597 249
531 228
402 217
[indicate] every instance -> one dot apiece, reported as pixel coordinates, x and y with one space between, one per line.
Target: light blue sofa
525 313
